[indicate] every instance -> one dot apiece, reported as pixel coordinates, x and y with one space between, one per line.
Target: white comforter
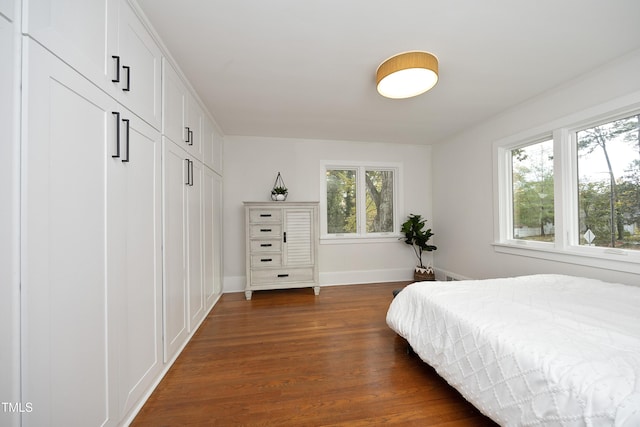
543 350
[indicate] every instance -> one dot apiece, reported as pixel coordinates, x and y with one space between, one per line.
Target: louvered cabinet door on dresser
281 245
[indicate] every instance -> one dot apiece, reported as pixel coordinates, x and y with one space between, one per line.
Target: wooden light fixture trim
421 64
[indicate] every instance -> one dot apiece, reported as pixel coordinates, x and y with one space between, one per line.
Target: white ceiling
306 68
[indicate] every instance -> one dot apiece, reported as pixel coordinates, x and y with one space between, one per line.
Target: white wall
463 177
251 166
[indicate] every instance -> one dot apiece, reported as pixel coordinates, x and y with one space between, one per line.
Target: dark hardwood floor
289 358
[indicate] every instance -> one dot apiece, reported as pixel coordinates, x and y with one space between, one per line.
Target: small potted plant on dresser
279 191
417 235
279 194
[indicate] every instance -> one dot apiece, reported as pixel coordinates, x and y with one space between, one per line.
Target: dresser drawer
260 246
265 231
285 275
266 260
263 215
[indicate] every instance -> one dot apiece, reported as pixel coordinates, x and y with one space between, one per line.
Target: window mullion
564 187
361 201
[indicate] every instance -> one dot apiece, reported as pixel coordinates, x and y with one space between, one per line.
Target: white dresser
281 245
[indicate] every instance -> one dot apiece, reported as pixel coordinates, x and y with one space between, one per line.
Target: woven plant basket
420 276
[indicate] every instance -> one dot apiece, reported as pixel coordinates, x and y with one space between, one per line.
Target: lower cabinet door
195 237
212 236
136 226
176 180
69 342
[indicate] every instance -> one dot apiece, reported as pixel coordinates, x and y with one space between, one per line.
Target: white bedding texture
541 350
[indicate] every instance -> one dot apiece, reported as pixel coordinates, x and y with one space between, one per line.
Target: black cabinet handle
188 134
283 275
117 79
115 113
265 215
266 259
285 237
265 230
190 137
128 87
266 245
126 132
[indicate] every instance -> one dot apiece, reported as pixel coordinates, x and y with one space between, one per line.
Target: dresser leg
316 290
247 295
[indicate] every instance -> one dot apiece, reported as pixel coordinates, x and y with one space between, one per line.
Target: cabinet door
212 237
69 361
134 214
175 184
194 256
181 113
211 145
173 105
193 119
80 32
299 237
141 61
9 225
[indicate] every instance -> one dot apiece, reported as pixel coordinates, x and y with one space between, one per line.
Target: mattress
541 350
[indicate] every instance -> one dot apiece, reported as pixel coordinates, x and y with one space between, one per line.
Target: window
570 191
359 200
532 192
609 184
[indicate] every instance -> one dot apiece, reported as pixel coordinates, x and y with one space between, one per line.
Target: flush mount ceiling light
407 74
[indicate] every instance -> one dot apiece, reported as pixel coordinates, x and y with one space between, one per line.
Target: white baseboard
237 283
446 275
365 276
233 284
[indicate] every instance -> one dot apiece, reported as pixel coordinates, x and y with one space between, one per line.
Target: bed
541 350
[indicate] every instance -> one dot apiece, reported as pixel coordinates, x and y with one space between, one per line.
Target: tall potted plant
417 235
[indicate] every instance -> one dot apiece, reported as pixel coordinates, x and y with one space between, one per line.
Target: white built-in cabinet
184 122
9 215
192 220
106 42
120 223
192 210
91 250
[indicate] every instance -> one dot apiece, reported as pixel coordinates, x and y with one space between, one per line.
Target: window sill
609 259
350 240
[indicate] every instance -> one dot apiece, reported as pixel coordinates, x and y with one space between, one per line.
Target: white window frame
566 247
361 236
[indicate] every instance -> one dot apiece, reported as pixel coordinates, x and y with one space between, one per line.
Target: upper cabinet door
139 85
193 119
182 117
79 32
173 106
106 42
211 146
